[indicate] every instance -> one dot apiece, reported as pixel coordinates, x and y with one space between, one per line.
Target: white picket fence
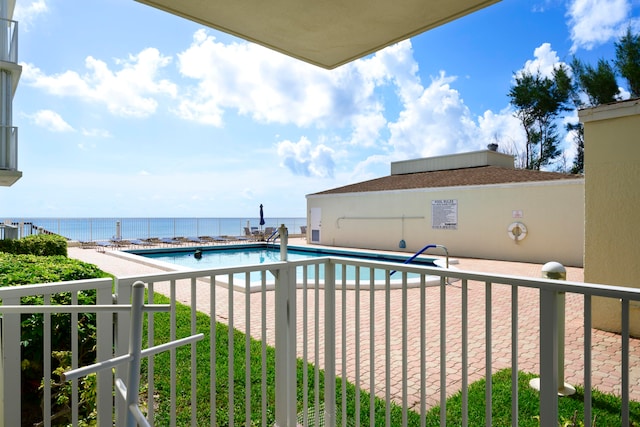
378 333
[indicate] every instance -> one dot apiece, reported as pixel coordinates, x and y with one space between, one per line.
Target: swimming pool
198 257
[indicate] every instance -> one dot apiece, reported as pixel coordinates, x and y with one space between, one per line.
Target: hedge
26 269
36 244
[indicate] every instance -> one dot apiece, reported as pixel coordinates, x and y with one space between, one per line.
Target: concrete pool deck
606 351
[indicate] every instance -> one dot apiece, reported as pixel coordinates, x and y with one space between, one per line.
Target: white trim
610 111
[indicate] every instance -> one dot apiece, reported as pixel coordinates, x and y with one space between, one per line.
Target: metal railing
9 41
9 148
348 320
99 229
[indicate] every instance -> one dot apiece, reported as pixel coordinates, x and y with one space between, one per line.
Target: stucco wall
612 200
553 213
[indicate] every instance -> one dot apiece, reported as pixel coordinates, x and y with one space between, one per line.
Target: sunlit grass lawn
606 408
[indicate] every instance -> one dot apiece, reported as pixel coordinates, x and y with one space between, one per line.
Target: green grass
606 408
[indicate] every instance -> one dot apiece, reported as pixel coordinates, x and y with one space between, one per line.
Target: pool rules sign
444 214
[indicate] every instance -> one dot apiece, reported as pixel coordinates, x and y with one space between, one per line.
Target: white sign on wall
444 214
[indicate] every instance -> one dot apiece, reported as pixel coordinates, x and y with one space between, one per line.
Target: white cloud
367 128
269 87
51 120
434 121
129 91
302 158
26 13
96 133
595 22
544 62
502 128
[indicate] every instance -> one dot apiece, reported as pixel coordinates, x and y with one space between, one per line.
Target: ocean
98 229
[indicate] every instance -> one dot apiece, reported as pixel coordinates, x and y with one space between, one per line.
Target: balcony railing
9 148
335 318
9 41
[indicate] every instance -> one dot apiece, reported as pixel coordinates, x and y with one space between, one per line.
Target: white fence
328 318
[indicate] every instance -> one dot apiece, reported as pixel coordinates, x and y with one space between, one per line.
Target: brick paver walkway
606 355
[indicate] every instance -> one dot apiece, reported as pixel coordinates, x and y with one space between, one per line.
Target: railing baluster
465 353
514 356
305 344
423 351
316 339
104 350
194 364
46 365
213 351
587 361
404 349
151 360
357 321
489 354
548 357
231 352
172 353
247 348
624 365
443 352
263 349
372 347
74 360
387 347
343 303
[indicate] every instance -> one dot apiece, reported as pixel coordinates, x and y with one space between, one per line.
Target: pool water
242 255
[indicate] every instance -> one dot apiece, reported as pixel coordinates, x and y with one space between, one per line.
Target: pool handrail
275 235
429 246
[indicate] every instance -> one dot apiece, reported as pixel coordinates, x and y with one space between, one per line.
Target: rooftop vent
454 161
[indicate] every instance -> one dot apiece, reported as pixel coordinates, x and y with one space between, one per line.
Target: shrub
36 244
16 270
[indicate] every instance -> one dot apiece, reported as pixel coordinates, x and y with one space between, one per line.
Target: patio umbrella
261 217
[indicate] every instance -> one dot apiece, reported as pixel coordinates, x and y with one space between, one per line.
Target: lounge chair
102 245
170 241
120 242
86 244
139 242
248 234
194 239
220 239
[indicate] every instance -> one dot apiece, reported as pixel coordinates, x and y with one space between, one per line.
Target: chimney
492 147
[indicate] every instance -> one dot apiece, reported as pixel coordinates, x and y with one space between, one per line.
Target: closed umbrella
261 217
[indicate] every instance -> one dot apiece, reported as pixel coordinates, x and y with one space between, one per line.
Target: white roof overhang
327 33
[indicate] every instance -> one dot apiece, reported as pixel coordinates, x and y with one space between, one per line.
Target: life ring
517 231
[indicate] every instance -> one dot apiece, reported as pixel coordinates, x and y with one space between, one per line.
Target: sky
127 111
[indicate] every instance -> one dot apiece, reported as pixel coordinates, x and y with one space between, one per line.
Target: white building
9 76
475 204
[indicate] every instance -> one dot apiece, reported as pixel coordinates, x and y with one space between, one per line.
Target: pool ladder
274 235
408 261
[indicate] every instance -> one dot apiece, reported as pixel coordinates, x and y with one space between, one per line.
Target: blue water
242 255
95 229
